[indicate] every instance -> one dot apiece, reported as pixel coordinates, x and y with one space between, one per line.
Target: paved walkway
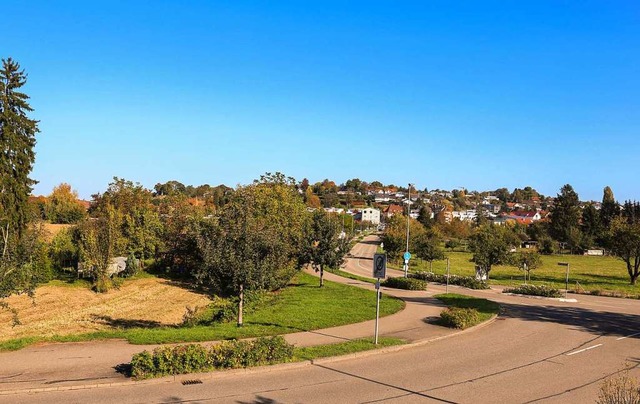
96 362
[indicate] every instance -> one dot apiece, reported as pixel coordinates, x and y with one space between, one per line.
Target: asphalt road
538 351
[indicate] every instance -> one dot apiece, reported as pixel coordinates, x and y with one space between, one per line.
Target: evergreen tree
565 215
609 209
17 140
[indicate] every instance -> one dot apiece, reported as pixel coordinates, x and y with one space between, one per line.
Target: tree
395 235
565 215
610 209
255 243
591 223
625 244
428 247
99 241
490 246
63 206
526 261
139 222
17 142
324 247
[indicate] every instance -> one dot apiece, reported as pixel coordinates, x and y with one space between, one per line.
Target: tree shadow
259 400
595 322
124 369
370 242
127 323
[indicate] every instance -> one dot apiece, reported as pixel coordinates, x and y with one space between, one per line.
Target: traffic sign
407 256
379 265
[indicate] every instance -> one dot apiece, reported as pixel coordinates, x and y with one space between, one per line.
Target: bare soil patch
60 310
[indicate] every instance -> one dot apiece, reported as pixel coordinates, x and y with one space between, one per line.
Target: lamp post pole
406 262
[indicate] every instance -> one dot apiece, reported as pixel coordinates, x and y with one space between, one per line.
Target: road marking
582 350
632 335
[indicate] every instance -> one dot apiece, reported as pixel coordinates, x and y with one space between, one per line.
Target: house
392 210
370 215
464 215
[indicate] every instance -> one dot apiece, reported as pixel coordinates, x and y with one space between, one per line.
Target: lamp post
566 281
406 261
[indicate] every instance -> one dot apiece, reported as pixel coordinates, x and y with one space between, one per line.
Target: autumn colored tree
63 205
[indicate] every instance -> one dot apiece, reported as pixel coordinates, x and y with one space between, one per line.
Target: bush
464 281
533 290
458 317
619 390
405 283
181 359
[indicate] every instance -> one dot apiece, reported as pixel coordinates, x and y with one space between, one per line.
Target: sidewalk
93 363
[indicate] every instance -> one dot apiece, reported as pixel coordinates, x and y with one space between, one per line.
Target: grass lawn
302 306
592 273
485 307
349 275
343 348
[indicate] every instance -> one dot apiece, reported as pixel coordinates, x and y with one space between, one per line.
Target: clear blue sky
475 94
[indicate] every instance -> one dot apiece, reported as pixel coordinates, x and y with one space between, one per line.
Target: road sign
407 256
379 265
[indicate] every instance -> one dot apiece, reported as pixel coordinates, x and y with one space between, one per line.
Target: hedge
533 290
464 281
458 317
405 283
173 360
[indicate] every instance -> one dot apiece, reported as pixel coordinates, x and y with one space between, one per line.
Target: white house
371 215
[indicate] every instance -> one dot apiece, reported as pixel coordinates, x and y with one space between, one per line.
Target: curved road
538 351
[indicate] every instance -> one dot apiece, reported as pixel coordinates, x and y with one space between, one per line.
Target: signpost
566 282
407 257
379 271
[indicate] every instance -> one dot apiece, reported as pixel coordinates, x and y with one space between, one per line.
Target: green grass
349 275
343 348
592 273
302 306
485 307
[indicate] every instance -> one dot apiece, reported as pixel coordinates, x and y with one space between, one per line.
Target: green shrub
458 317
464 281
172 360
534 290
405 283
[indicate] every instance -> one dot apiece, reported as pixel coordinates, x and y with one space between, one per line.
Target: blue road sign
407 256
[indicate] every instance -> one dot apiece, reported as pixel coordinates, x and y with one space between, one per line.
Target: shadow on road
596 322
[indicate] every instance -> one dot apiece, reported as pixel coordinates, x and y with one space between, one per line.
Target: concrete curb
259 369
556 299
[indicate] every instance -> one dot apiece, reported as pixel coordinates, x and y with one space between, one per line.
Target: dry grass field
63 310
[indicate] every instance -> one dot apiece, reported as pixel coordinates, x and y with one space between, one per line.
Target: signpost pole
566 280
379 271
377 310
447 289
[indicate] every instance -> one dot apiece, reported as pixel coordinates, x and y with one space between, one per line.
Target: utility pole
407 254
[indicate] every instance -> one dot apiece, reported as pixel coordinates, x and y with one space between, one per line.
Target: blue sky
474 94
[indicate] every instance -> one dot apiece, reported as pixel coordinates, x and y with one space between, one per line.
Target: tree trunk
240 305
321 276
430 266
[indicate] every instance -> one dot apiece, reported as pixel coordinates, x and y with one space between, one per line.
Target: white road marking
582 350
632 335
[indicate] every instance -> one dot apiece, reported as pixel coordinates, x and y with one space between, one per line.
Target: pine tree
18 266
609 209
17 140
565 215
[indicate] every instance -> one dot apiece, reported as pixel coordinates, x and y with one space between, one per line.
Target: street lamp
407 254
566 281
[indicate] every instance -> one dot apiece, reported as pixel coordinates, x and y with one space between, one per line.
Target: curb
259 369
557 299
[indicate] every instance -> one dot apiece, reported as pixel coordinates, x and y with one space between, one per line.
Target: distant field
53 229
592 273
61 310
